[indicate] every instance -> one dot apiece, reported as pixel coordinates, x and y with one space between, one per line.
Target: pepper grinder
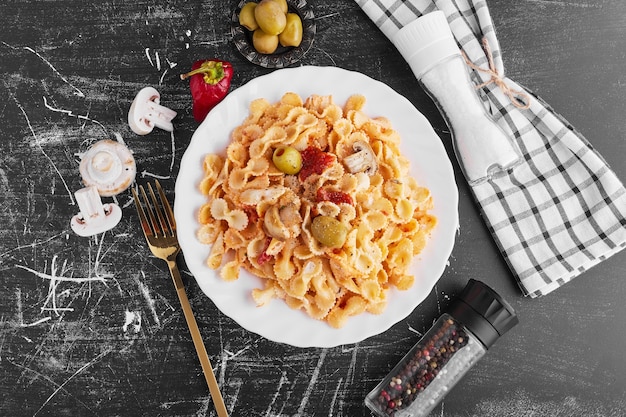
481 146
457 340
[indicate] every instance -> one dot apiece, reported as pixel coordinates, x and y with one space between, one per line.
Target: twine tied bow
519 99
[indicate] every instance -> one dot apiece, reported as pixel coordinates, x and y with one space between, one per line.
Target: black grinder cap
483 311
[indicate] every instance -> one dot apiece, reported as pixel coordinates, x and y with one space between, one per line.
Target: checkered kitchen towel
562 210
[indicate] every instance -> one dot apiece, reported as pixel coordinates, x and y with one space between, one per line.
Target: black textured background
111 341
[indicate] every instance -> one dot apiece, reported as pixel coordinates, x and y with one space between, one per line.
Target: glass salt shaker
481 146
457 340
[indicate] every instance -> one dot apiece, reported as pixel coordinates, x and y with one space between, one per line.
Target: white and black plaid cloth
560 212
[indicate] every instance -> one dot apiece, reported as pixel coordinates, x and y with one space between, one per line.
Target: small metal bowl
283 56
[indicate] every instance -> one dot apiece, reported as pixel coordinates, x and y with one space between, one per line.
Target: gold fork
159 227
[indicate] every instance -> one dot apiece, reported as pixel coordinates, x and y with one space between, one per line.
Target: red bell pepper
209 84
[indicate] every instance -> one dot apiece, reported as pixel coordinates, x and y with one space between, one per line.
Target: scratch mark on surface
71 114
563 3
288 396
56 277
238 383
167 303
352 367
46 378
438 303
145 174
4 333
32 131
205 402
162 76
281 382
171 64
216 42
328 55
35 323
20 314
313 380
232 355
327 16
204 409
81 369
349 381
32 245
149 58
145 291
78 92
158 60
99 255
173 144
411 329
335 395
223 363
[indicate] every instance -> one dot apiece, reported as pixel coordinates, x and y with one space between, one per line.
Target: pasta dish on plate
316 200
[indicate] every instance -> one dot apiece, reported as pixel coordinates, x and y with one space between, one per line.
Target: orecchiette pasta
258 218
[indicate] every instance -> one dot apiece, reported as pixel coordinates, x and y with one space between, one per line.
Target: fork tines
161 217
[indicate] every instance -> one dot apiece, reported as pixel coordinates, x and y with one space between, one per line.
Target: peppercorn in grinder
457 340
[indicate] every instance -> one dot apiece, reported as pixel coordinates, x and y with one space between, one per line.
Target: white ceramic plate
430 165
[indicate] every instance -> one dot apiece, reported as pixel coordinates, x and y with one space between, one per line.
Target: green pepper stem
213 72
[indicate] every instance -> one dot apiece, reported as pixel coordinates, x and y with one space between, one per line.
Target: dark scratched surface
92 326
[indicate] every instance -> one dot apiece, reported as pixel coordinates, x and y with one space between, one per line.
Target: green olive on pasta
287 159
329 231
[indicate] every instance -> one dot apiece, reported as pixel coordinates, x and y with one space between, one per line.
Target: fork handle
207 369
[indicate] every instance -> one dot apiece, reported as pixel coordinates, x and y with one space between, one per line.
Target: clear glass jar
445 353
457 340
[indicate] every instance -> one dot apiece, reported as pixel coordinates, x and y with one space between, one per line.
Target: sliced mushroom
253 196
282 223
109 166
362 160
274 227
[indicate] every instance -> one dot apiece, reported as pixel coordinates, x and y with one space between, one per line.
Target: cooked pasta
353 175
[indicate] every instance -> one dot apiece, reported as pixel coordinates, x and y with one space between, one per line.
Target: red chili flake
263 256
314 161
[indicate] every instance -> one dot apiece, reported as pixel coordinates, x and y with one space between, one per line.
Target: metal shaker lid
483 311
